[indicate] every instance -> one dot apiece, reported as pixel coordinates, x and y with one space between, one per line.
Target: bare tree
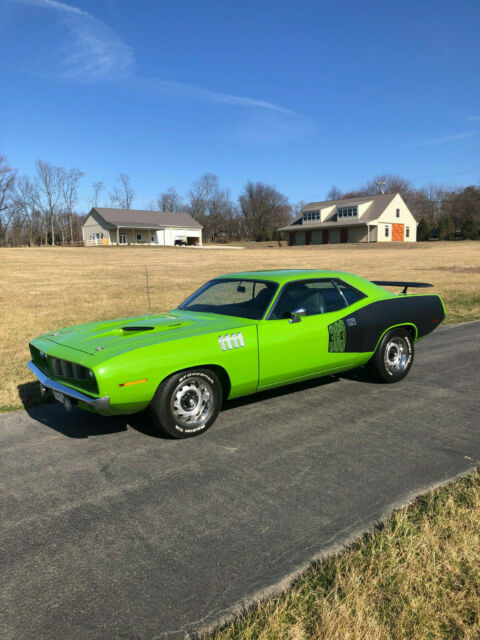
7 184
123 194
264 210
49 180
97 187
334 194
211 206
69 183
27 202
170 200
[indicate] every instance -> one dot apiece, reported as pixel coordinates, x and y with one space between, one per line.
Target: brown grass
417 576
47 288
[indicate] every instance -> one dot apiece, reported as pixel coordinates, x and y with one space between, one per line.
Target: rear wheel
393 357
187 403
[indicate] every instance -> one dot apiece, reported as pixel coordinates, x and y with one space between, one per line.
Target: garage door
397 232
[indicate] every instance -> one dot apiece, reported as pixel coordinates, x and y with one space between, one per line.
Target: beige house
380 218
135 226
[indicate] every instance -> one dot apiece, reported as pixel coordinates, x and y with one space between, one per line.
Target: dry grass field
47 288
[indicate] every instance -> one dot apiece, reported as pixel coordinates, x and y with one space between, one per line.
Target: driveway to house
108 531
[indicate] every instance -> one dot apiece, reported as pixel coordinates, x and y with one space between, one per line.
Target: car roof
282 276
287 275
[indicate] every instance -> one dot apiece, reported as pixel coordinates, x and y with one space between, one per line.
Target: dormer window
311 215
347 212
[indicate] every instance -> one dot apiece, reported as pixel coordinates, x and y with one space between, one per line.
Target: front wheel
393 357
187 403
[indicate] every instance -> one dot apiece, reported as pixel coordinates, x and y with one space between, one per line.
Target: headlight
91 375
42 355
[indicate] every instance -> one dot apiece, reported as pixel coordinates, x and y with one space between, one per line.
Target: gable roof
142 219
378 205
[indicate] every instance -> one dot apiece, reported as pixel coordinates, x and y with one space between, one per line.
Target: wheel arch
221 373
409 326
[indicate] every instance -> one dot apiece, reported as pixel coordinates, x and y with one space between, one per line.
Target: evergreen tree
446 228
470 228
423 230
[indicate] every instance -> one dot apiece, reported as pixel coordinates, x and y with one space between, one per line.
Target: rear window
350 294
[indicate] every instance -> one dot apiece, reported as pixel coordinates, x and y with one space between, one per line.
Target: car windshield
232 297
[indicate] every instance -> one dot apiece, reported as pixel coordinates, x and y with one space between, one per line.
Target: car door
294 348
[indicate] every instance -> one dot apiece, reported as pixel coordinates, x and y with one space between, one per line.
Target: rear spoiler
405 285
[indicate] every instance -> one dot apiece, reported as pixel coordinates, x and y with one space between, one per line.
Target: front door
314 345
344 235
292 238
123 238
397 232
308 237
325 236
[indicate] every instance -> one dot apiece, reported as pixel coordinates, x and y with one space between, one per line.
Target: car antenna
148 291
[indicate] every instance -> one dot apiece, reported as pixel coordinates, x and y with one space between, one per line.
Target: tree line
44 209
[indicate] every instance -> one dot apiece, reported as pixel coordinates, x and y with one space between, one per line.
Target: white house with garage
380 218
105 226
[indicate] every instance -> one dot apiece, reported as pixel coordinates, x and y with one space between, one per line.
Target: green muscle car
238 334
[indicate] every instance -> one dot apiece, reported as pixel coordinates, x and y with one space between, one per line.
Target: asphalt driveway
108 531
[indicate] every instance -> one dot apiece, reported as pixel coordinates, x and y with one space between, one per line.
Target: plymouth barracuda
238 334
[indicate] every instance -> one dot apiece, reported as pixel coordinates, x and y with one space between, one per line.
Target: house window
152 239
398 213
347 212
387 231
123 238
311 215
407 232
139 237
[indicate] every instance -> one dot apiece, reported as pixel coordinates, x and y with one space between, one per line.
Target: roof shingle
142 219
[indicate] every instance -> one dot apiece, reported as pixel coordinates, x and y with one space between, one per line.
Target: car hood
126 334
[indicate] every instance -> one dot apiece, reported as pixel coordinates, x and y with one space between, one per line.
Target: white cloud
445 139
96 53
204 95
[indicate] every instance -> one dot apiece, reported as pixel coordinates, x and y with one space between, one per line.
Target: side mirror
297 315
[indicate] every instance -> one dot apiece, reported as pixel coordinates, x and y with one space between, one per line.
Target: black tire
187 403
393 357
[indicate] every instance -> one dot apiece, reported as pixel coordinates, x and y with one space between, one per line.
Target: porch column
118 236
149 237
133 236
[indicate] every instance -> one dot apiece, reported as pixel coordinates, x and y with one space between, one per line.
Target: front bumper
100 404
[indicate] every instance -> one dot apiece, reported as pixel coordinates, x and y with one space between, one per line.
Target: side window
315 296
387 231
351 295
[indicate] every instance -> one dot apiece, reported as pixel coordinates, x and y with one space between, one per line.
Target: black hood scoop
137 328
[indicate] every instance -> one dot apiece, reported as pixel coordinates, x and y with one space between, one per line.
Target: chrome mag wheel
397 355
192 402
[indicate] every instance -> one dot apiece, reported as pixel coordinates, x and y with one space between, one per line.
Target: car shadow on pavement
278 392
81 424
359 375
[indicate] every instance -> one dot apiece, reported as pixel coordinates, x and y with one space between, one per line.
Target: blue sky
300 94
